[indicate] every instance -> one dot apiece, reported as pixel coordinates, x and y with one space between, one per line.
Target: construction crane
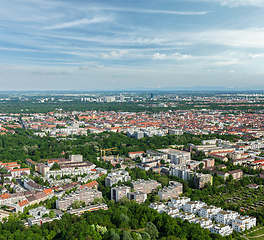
108 149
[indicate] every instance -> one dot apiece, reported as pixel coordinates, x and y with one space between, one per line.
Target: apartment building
30 185
119 192
209 212
146 186
179 202
139 197
243 223
193 206
158 206
87 196
221 229
177 156
208 162
173 190
115 177
43 169
90 208
39 211
185 216
226 217
203 222
202 180
237 174
17 173
32 164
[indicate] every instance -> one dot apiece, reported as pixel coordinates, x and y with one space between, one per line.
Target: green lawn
254 235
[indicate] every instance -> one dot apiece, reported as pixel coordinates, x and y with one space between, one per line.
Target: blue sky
115 45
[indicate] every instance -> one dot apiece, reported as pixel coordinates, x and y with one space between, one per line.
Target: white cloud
96 19
231 71
141 10
180 56
90 67
256 55
159 56
237 3
113 54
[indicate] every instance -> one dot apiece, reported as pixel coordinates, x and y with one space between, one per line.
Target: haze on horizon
102 45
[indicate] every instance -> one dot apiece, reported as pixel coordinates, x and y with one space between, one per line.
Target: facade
146 186
201 180
221 229
179 202
226 217
87 196
31 185
208 162
76 158
193 206
119 192
139 197
32 164
43 169
237 174
16 173
209 212
90 208
115 177
39 211
203 222
185 216
243 223
173 190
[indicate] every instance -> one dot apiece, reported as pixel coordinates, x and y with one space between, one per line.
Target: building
175 132
90 208
203 222
237 174
32 164
209 212
39 221
177 156
185 216
3 214
31 185
221 229
39 211
179 202
17 173
115 177
134 155
43 169
158 206
173 190
76 158
202 180
243 223
208 162
139 197
226 217
119 192
193 206
87 196
146 186
21 205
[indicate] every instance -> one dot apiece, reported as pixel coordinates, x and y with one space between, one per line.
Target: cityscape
131 120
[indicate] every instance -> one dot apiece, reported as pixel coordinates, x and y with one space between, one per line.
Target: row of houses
227 221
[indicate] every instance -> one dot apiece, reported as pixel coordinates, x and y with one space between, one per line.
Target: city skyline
87 45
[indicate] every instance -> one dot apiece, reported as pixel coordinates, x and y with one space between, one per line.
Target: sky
94 45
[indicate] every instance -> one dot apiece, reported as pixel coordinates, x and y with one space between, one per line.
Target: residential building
179 202
243 223
226 217
193 206
115 177
221 229
209 212
173 190
146 186
90 208
119 192
139 197
185 216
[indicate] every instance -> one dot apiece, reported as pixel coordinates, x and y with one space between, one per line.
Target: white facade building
193 206
209 212
221 229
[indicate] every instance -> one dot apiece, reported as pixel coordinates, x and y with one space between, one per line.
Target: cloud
158 56
96 19
231 71
238 3
141 10
90 67
113 54
256 55
180 56
20 49
49 73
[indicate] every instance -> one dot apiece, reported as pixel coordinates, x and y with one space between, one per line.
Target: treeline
23 144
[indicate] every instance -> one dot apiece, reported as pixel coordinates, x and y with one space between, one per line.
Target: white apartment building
193 206
185 216
119 192
157 206
172 211
221 229
178 202
203 222
244 222
209 212
226 217
115 177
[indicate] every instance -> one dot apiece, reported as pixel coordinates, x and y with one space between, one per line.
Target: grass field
256 235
